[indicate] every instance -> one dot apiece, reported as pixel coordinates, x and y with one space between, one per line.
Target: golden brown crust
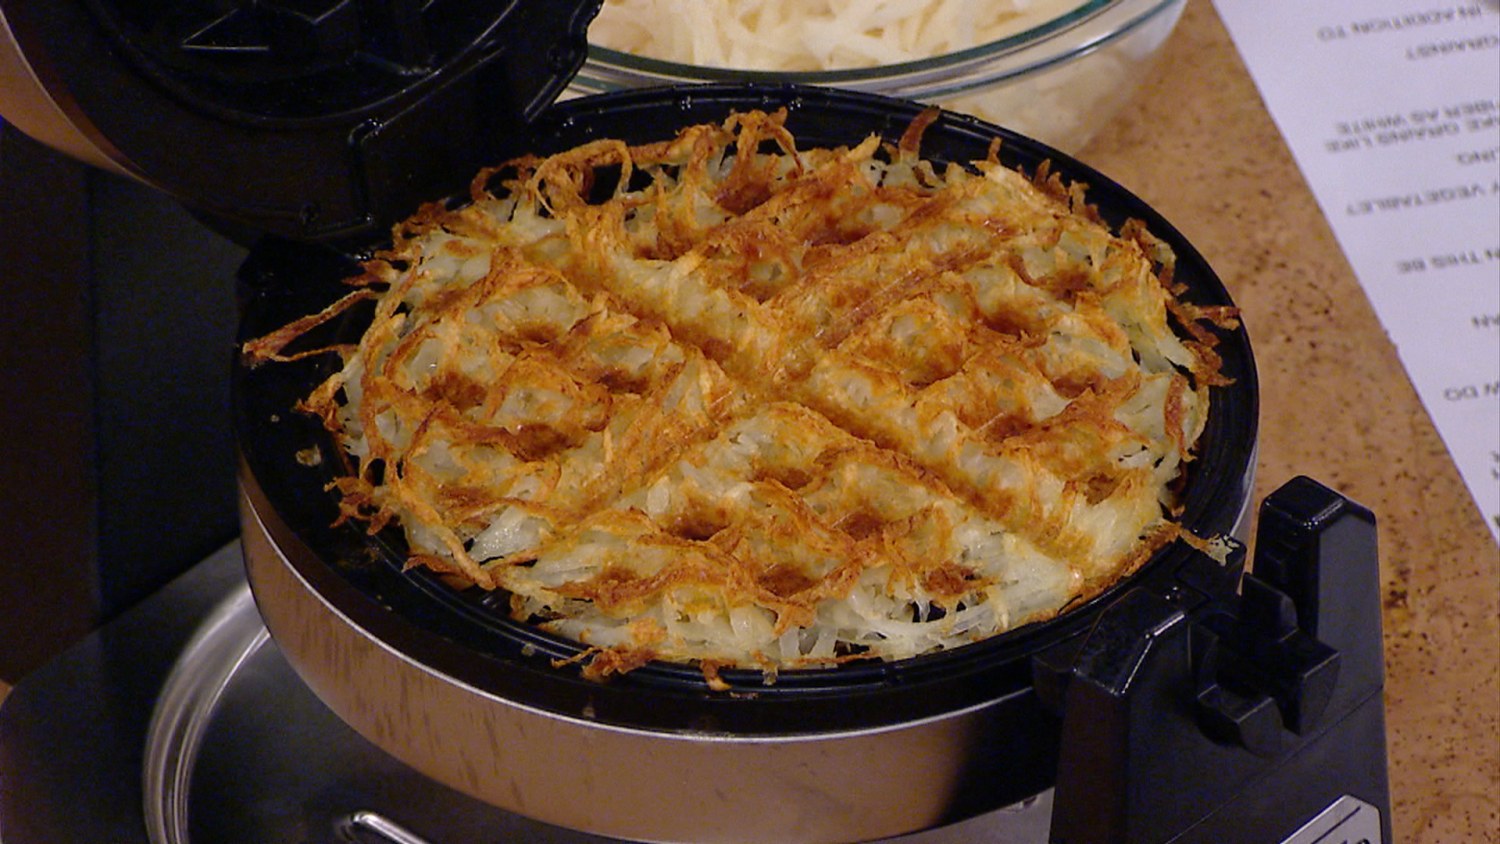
758 406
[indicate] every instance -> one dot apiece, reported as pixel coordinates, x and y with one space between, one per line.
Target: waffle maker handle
1191 713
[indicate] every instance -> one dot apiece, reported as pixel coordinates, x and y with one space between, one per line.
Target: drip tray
240 751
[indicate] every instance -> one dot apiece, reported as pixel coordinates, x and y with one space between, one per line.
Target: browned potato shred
720 399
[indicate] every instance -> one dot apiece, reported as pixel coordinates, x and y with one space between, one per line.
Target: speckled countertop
1199 146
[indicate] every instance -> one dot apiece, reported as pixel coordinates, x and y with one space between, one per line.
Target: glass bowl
1058 82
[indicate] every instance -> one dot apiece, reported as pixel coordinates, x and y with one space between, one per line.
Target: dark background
117 321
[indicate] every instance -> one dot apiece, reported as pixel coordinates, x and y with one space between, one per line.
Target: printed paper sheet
1392 111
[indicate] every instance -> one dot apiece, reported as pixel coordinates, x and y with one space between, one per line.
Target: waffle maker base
1174 708
880 751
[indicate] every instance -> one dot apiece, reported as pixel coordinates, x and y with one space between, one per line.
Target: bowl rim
1092 25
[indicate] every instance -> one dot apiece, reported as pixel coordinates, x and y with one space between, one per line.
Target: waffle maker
1191 702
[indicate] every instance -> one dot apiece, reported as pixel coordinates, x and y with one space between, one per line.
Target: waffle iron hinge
1194 713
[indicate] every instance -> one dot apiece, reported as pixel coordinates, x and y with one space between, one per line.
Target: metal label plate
1348 820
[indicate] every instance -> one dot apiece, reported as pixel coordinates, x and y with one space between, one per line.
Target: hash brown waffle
718 399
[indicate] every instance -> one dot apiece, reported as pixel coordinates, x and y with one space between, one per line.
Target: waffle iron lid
319 120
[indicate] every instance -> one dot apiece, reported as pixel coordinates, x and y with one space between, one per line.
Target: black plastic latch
1262 672
1173 707
1311 546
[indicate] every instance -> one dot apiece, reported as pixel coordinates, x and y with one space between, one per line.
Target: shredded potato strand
809 35
765 407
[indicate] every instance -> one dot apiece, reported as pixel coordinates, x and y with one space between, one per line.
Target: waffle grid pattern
771 410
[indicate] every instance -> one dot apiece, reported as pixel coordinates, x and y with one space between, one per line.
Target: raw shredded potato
809 35
766 407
